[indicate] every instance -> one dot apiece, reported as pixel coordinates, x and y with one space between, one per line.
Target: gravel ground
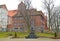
23 39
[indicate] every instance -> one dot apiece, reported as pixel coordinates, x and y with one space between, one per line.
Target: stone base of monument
32 35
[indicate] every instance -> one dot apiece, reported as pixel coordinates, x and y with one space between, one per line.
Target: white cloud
2 1
37 4
13 4
57 3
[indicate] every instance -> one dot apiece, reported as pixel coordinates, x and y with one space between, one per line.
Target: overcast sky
13 4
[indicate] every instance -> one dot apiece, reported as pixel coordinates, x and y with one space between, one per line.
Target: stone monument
32 34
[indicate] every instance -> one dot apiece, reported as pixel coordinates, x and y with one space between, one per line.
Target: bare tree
49 5
28 4
55 20
26 16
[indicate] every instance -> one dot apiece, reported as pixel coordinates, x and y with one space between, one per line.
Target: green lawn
45 34
3 34
6 34
23 34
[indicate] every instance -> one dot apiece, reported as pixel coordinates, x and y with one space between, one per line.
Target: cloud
37 4
2 2
12 4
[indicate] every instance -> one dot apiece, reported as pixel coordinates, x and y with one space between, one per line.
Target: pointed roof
21 3
3 6
11 13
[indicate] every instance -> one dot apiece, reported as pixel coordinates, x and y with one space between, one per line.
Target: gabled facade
37 19
11 13
19 23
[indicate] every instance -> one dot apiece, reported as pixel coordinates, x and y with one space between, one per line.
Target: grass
23 34
3 34
19 34
45 34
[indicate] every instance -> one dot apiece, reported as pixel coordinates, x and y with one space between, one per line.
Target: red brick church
16 21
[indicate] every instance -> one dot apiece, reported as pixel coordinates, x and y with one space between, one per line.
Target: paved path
23 39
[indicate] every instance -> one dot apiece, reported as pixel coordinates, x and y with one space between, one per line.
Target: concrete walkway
23 39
